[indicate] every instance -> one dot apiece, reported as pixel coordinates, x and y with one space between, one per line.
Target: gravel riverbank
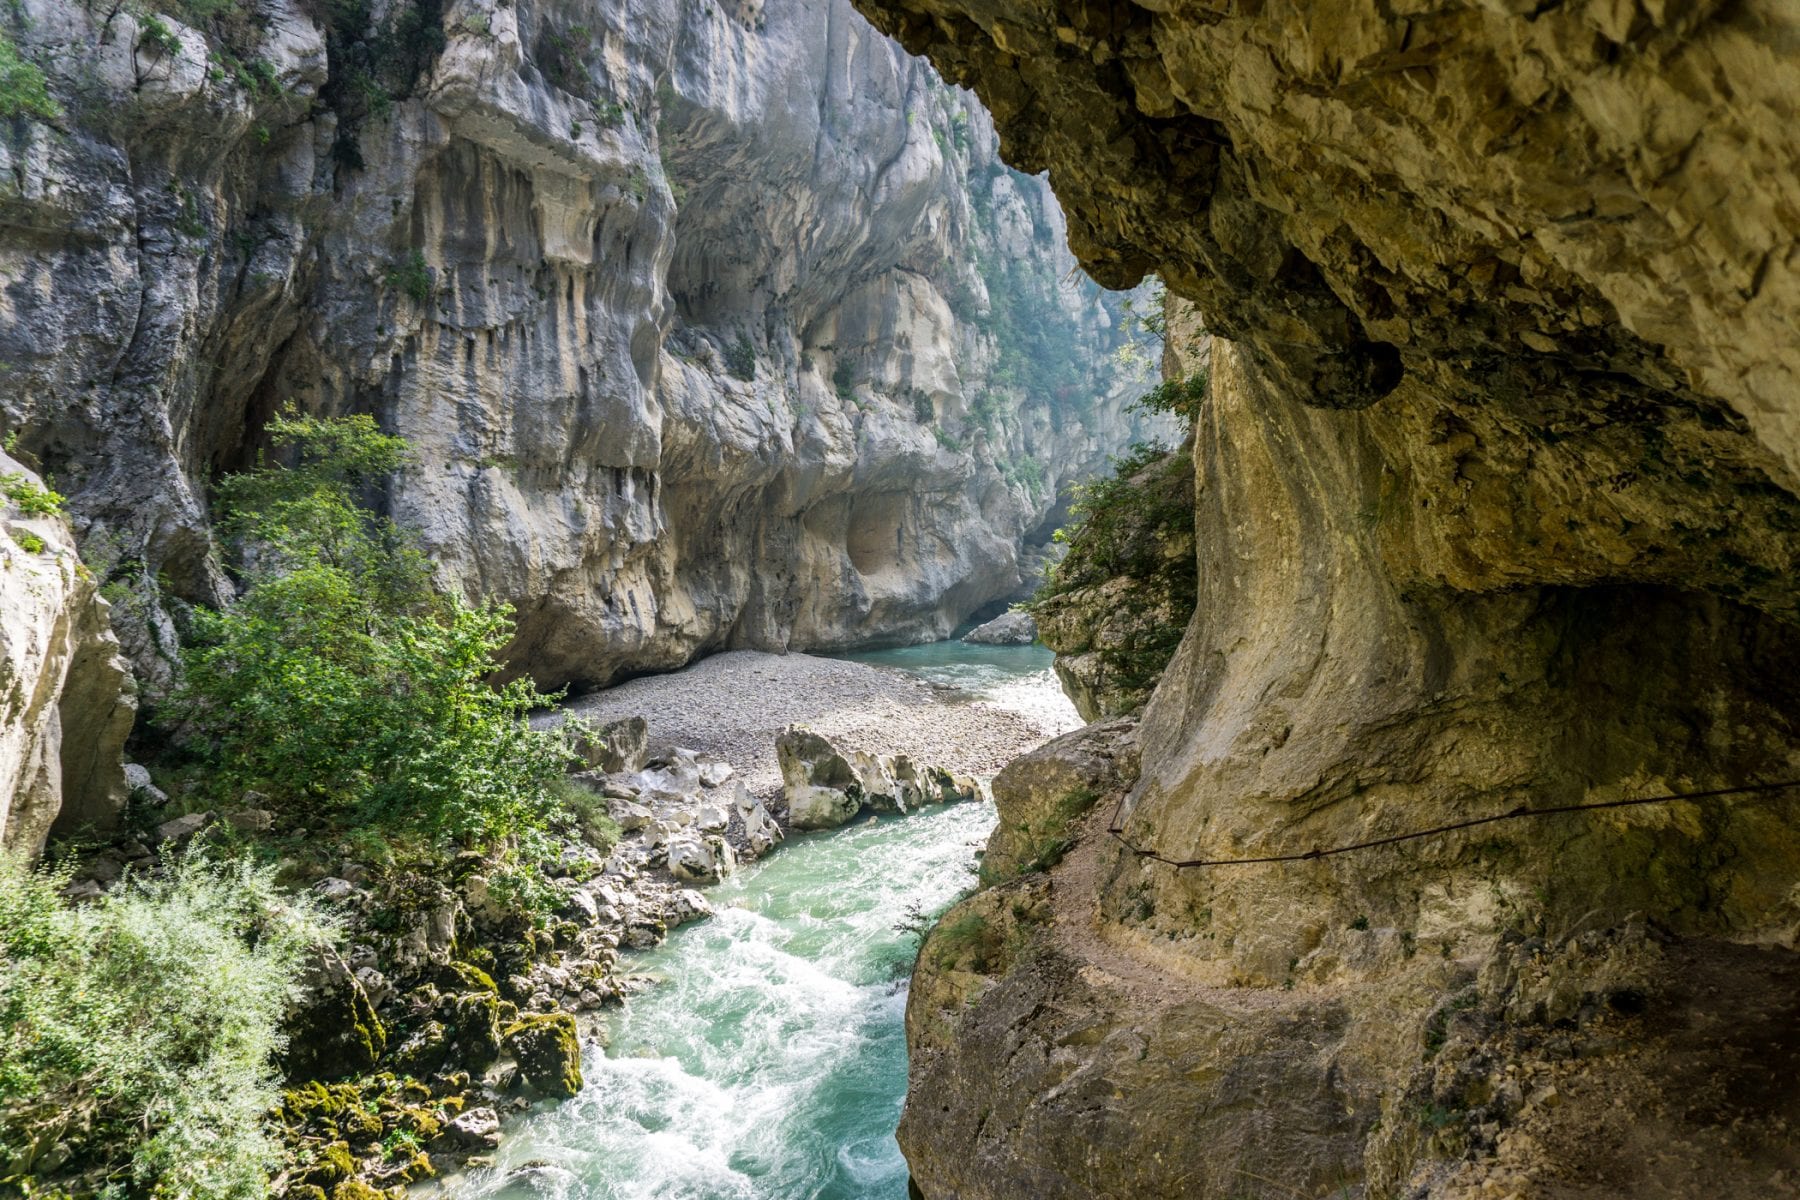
733 705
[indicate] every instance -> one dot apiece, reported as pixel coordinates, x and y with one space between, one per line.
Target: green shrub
139 1029
32 499
411 276
1177 397
843 378
740 359
341 683
22 90
28 541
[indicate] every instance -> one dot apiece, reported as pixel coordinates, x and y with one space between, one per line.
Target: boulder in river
827 786
1015 628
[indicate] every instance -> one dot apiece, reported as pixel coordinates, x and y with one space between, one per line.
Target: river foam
770 1062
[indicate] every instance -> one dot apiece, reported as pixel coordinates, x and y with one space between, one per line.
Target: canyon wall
710 325
1496 505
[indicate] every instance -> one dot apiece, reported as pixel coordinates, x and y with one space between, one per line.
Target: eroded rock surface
66 701
710 328
1495 505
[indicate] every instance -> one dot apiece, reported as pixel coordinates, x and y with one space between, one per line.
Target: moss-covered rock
548 1052
333 1030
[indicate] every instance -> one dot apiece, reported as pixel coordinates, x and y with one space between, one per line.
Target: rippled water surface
1019 678
771 1063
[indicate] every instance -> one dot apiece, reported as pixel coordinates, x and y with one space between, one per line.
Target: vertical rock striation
1496 504
712 325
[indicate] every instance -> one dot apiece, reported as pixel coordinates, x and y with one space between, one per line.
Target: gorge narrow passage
768 1058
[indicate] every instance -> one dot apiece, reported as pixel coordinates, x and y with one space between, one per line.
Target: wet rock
826 786
475 1128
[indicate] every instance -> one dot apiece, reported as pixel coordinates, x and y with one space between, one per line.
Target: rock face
1495 505
1008 629
712 326
66 701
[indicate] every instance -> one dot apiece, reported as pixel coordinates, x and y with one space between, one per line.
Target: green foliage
583 813
22 89
1124 527
1027 473
843 378
1143 327
948 441
412 277
340 683
1115 519
139 1029
152 32
563 56
1181 398
740 358
609 114
32 499
373 63
924 411
28 541
967 937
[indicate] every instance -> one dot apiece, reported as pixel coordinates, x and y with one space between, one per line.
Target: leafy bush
1177 397
22 90
136 1033
1116 521
411 276
340 683
740 359
32 499
28 541
843 378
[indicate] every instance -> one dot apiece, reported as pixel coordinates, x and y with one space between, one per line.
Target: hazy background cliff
711 325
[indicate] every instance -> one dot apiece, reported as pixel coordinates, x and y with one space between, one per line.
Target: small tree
340 681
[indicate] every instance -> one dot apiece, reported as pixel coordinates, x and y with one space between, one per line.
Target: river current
769 1062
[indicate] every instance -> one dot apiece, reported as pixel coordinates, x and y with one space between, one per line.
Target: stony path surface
733 705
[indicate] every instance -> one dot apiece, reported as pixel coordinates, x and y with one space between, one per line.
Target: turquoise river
769 1062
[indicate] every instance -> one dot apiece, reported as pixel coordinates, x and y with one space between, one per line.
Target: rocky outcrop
826 786
1015 628
1495 505
66 701
710 328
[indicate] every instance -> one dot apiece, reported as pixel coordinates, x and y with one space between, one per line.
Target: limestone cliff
1495 505
712 325
65 698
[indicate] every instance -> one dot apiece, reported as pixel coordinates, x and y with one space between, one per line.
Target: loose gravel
733 705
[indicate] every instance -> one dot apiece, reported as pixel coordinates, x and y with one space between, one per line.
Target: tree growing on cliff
341 683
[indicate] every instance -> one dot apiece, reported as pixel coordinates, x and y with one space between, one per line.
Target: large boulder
548 1051
1014 628
826 786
